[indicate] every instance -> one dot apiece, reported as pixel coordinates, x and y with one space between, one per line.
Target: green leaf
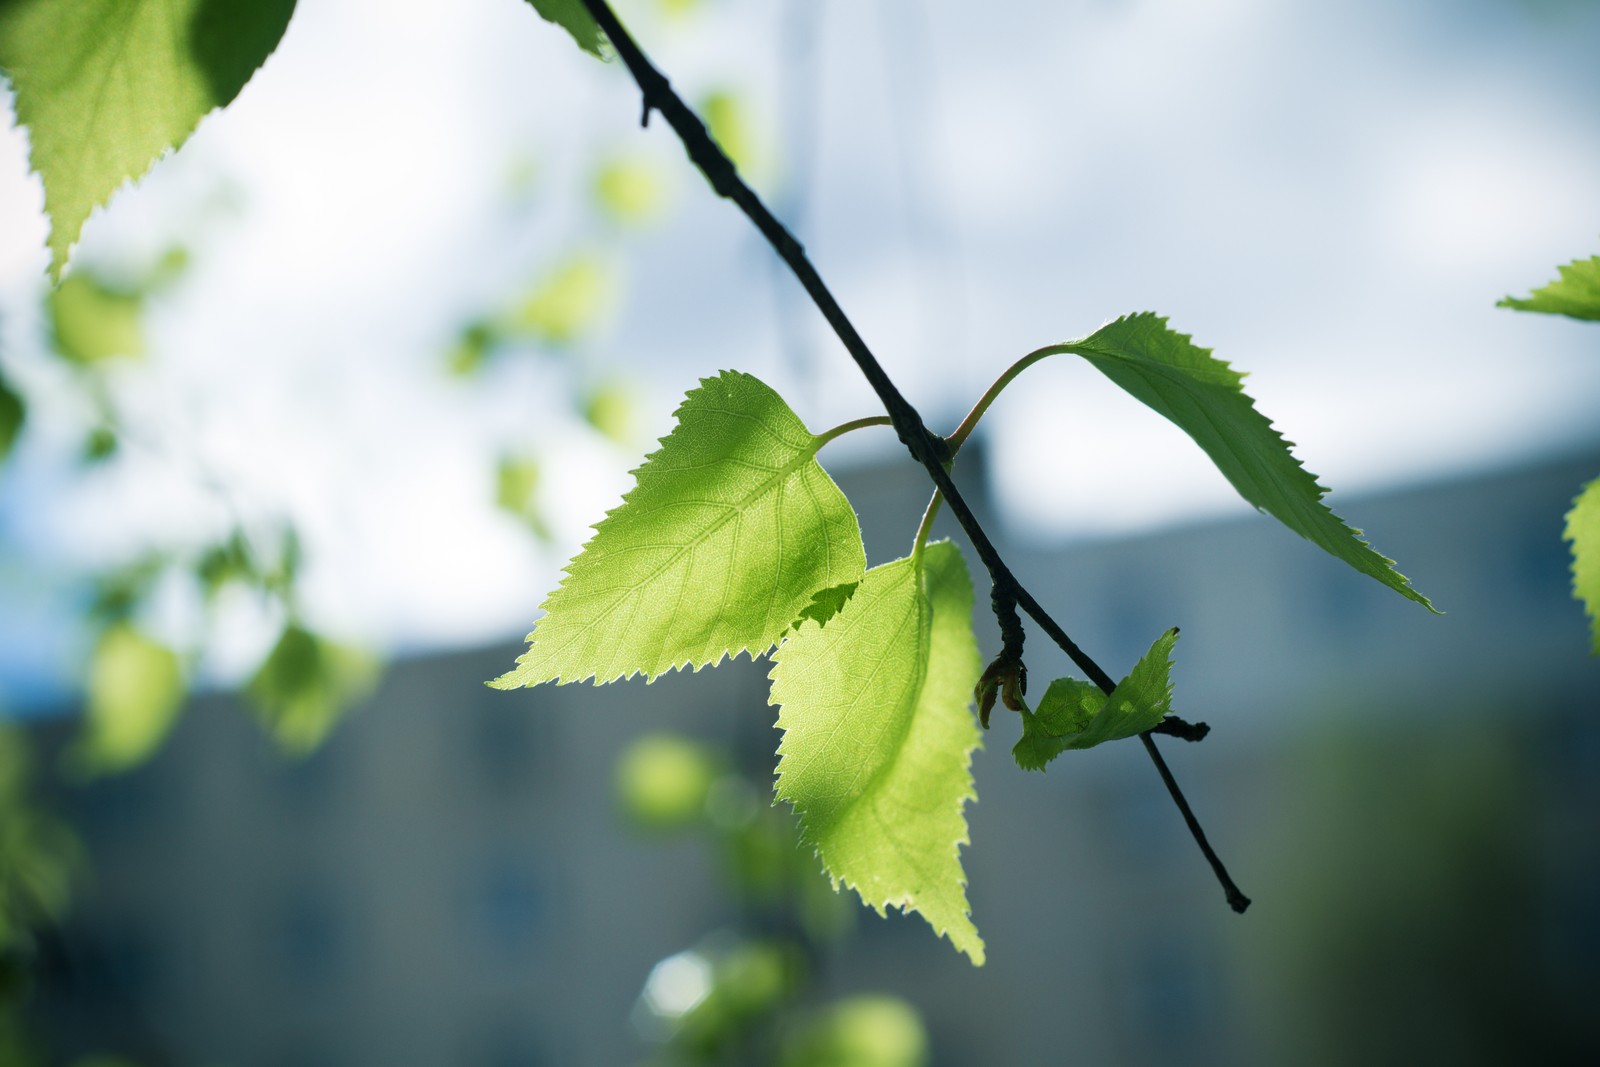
663 781
729 125
1575 292
91 321
1076 714
135 691
729 529
304 686
826 603
1203 396
106 86
571 16
878 736
1583 530
565 304
630 191
13 413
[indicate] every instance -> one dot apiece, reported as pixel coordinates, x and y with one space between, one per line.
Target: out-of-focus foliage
1076 714
565 304
92 320
747 994
105 87
305 684
630 191
664 781
863 1031
136 689
13 413
1575 292
38 857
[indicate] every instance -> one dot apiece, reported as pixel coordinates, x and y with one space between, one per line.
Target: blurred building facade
1410 799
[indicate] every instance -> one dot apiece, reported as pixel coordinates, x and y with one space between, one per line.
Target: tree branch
927 448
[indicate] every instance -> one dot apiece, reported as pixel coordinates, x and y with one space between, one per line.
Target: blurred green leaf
677 8
224 563
1583 530
1205 398
100 445
118 592
862 1031
13 413
1575 292
517 478
571 16
663 781
724 115
609 409
685 571
566 303
106 86
1076 714
92 321
630 191
304 686
136 689
472 349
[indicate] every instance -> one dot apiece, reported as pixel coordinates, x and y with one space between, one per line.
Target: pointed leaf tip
1204 397
879 735
105 88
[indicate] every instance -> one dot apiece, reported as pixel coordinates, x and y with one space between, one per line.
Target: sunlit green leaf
566 303
305 684
1583 530
1575 292
136 689
1076 714
878 736
13 413
630 191
663 781
571 16
731 526
871 1030
91 321
106 86
1204 397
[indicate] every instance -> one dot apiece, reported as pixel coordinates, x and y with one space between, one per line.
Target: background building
1411 800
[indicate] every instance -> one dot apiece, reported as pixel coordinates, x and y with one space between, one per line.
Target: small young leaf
566 303
731 527
1203 396
571 16
1575 292
135 691
106 86
1076 714
1583 530
879 734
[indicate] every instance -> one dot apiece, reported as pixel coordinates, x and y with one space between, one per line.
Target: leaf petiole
854 424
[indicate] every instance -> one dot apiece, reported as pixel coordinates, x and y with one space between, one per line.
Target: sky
1330 196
